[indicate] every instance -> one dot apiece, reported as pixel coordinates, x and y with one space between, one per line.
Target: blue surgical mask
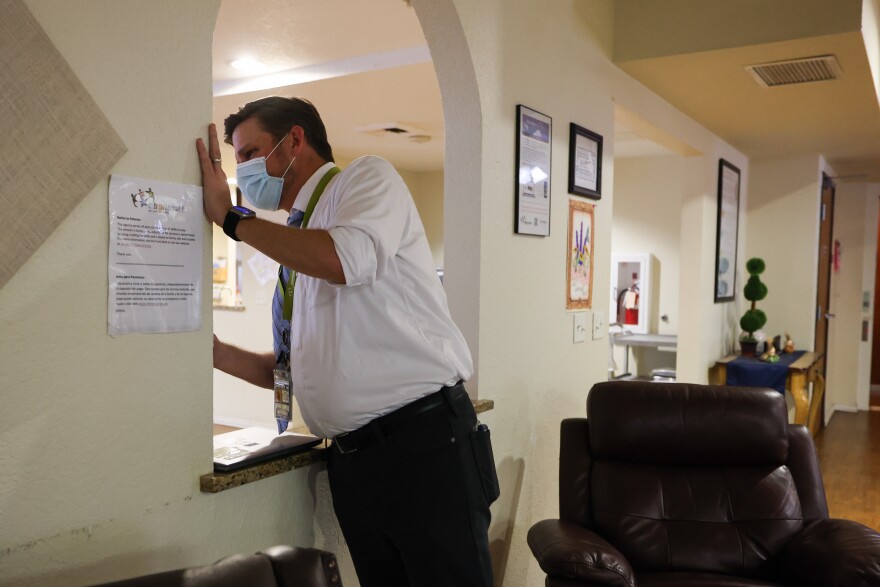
261 189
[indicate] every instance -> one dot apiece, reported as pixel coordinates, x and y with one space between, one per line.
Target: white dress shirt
385 338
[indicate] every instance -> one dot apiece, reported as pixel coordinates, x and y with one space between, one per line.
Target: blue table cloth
753 372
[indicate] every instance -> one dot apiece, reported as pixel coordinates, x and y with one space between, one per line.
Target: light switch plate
580 327
599 324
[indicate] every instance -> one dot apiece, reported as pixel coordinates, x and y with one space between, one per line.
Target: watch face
243 212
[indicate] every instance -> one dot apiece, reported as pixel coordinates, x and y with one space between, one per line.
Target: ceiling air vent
395 129
379 129
795 71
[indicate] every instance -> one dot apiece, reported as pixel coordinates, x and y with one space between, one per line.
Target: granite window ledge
216 482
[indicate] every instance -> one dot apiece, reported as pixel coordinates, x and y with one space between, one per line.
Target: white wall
783 230
849 358
869 272
427 192
647 219
871 37
784 216
554 58
102 440
707 330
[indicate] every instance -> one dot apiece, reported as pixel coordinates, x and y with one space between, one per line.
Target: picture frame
579 265
534 137
584 162
727 231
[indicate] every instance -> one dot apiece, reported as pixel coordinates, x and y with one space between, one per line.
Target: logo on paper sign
144 199
147 199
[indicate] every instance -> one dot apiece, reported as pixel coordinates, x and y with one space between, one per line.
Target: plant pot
748 348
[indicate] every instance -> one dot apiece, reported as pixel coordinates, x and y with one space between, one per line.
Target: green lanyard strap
287 290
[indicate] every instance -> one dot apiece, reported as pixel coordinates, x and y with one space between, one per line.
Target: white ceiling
367 64
356 80
352 51
286 34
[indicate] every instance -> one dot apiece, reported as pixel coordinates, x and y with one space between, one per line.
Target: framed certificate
584 163
534 133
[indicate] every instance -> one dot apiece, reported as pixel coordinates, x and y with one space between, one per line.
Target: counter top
650 340
216 482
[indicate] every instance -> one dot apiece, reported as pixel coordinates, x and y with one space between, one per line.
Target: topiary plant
754 291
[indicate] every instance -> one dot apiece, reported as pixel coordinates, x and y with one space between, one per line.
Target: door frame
823 294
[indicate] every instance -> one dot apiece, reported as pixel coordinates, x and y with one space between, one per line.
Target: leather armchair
669 484
279 566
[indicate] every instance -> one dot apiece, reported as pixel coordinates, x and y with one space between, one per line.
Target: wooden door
823 276
875 344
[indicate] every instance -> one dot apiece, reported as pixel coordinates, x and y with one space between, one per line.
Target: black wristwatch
235 214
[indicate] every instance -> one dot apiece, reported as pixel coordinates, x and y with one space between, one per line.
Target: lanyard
287 290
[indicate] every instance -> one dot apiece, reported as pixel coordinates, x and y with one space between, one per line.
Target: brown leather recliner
668 484
279 566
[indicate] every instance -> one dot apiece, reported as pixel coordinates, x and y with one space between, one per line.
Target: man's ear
297 139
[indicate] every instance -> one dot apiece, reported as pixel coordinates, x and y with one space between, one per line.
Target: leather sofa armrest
232 571
568 551
832 553
304 567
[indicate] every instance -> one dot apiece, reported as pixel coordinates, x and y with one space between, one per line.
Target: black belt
349 442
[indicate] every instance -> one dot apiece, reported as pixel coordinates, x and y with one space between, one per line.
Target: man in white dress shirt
363 337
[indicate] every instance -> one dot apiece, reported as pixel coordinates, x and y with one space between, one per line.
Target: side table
804 370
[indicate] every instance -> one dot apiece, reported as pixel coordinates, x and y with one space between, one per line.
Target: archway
463 169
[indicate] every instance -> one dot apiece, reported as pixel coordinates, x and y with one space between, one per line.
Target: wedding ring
217 160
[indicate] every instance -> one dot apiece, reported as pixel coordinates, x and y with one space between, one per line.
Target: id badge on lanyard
281 377
283 401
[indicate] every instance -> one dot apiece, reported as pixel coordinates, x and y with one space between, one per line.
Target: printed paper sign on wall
155 263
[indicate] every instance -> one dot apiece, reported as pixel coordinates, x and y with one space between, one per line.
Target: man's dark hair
278 115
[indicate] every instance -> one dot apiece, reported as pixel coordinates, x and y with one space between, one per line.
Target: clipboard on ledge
250 446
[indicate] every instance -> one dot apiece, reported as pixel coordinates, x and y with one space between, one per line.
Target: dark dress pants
413 505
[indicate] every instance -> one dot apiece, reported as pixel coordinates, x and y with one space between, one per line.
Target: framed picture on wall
584 162
534 134
727 229
579 269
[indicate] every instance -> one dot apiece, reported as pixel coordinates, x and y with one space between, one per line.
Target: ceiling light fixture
248 65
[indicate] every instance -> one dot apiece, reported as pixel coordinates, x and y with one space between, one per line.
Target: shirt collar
305 193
